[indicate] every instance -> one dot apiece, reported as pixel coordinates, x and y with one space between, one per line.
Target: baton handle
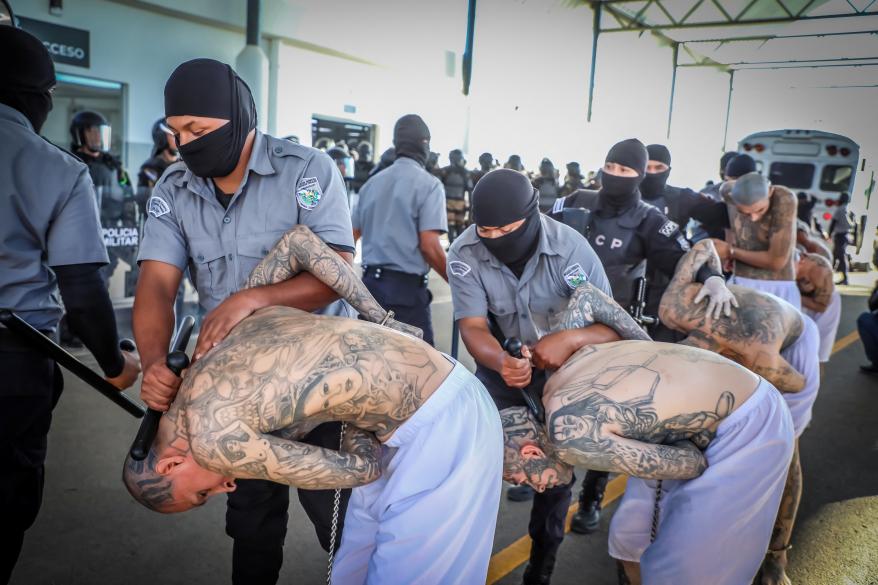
513 347
176 361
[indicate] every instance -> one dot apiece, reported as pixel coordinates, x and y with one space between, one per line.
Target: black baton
513 346
176 361
62 357
455 335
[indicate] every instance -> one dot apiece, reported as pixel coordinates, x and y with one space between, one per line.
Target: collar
10 114
404 160
259 163
544 247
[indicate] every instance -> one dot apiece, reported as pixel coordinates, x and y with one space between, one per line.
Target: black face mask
516 248
35 106
653 185
208 88
215 154
619 193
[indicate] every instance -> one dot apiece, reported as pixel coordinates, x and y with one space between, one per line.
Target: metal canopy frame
630 16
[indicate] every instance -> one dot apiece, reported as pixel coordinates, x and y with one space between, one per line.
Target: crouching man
706 442
419 427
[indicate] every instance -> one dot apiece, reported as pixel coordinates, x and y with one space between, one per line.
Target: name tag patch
574 276
158 207
668 229
308 193
459 268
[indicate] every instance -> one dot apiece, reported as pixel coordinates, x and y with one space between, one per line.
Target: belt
379 272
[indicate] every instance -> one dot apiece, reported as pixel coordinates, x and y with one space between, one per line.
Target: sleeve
468 296
584 255
163 239
711 213
330 216
90 313
664 243
75 236
431 211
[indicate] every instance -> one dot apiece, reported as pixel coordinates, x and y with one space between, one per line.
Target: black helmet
160 133
82 122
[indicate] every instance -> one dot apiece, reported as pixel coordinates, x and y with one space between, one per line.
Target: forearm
816 304
643 460
90 314
153 324
434 255
589 305
483 346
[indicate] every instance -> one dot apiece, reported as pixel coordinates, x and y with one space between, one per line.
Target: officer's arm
432 251
153 313
432 220
481 343
711 213
781 235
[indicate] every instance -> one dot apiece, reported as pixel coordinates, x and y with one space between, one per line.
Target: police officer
456 180
675 202
90 141
511 274
363 167
573 181
486 165
514 163
400 216
219 211
546 184
48 210
387 158
627 235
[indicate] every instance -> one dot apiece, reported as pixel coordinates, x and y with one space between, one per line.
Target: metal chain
656 511
333 530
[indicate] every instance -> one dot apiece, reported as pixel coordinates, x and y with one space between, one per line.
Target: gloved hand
720 299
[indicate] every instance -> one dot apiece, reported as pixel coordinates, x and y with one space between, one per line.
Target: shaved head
750 189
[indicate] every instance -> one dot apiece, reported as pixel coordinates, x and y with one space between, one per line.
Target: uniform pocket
209 260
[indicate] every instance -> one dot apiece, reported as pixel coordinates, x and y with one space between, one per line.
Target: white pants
784 289
715 528
827 324
430 517
803 356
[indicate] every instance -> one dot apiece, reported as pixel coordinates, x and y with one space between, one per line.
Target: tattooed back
285 371
646 391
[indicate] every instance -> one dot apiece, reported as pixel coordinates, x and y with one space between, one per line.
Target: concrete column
252 64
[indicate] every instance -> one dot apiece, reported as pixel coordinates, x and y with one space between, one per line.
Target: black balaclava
723 161
486 161
653 185
739 166
27 75
514 163
502 197
210 89
411 138
574 170
619 193
547 169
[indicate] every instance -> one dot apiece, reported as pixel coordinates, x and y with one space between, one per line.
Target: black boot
539 567
588 518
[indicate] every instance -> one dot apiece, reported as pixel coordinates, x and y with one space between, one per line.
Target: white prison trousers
784 289
827 324
802 354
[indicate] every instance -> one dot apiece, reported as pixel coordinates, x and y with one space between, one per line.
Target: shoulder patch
574 276
308 193
157 206
459 268
559 205
668 229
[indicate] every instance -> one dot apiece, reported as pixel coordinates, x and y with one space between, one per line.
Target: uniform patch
459 268
157 207
668 229
308 193
559 204
574 276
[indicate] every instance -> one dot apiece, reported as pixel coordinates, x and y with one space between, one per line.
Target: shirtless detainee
762 334
820 300
420 427
763 236
718 436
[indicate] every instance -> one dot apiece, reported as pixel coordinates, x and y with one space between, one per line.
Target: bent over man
641 408
419 428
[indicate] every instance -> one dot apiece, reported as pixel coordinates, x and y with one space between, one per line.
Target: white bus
806 161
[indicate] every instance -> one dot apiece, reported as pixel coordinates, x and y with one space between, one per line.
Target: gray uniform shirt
527 308
395 206
48 217
285 184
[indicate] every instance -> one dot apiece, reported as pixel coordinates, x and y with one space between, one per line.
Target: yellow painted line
514 555
511 557
845 341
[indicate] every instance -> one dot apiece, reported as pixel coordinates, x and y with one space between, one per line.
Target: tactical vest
455 183
612 239
548 192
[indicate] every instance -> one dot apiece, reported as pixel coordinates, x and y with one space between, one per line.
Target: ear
166 465
228 486
532 452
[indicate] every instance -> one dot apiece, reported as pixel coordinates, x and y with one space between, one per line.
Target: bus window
836 178
792 175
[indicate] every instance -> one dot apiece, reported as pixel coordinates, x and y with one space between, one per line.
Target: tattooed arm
683 460
589 305
677 306
781 235
300 250
242 452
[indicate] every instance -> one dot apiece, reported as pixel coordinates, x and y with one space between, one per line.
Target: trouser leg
409 302
867 325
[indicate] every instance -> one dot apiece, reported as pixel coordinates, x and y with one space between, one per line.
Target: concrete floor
90 531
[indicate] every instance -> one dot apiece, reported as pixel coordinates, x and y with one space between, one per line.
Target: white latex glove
720 299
